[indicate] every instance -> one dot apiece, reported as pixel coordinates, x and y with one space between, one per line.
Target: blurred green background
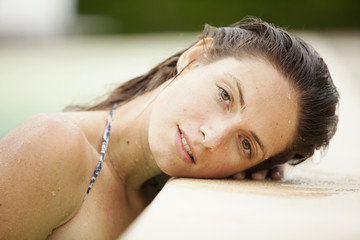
60 52
129 16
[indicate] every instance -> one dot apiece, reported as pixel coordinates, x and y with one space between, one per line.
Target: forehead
271 106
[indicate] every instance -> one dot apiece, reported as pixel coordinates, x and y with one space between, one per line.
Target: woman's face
221 118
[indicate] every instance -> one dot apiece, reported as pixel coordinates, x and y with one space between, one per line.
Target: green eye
246 146
225 96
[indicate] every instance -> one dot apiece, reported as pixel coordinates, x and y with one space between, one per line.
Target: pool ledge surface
307 204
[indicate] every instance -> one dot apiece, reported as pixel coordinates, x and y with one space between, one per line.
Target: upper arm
44 174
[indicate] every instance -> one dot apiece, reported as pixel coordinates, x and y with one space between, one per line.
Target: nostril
202 133
208 138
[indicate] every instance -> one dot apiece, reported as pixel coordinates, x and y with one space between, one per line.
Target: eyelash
248 152
223 92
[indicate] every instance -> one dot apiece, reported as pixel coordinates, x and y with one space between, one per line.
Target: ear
187 59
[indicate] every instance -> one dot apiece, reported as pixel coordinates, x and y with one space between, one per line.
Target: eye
225 96
246 146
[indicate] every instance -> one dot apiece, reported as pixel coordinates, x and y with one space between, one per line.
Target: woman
242 99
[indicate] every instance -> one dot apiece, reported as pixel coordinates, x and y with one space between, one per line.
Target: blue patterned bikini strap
104 147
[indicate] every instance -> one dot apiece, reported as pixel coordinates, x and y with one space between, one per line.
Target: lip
180 147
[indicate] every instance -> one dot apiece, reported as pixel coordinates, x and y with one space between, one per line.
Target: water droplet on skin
137 144
288 95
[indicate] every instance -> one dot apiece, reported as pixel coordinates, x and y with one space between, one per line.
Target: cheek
283 129
196 108
176 99
277 133
285 132
224 163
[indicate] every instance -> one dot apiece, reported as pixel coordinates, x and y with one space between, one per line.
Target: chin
171 168
168 168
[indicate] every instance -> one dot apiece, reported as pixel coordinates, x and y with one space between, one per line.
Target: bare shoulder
44 169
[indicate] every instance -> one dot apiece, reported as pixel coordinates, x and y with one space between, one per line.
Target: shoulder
49 139
44 130
45 166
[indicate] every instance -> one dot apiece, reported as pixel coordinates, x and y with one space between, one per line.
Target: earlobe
189 56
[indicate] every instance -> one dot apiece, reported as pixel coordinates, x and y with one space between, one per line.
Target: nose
213 136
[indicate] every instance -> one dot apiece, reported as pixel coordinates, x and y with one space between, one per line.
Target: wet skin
218 119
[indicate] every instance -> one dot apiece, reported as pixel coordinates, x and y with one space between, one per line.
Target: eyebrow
239 87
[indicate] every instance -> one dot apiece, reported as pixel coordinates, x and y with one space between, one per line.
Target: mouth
183 147
186 146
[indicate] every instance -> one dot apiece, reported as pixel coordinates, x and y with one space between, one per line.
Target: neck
129 150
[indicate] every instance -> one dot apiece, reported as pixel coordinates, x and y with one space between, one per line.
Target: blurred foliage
187 15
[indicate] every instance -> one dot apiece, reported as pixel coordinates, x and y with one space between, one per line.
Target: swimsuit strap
104 147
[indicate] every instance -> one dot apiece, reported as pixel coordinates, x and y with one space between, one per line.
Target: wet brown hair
291 56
